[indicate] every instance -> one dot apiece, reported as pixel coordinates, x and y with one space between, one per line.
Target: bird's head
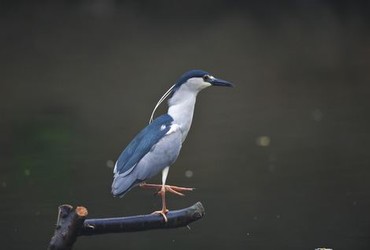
196 80
192 81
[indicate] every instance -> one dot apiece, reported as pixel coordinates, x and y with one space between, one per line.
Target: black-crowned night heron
158 145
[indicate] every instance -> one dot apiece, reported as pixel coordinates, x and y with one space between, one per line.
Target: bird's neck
181 109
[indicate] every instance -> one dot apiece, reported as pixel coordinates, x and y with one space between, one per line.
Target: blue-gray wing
142 144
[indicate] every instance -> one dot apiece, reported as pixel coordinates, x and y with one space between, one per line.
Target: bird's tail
122 184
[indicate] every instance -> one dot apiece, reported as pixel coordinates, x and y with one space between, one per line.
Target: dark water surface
280 162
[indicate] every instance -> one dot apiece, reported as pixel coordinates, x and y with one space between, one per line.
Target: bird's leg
164 210
162 192
172 189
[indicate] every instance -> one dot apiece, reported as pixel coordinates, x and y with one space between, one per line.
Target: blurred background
280 161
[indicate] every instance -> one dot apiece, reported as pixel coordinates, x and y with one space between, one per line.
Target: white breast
182 103
181 109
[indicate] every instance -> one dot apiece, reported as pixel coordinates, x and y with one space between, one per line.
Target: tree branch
71 223
68 225
176 218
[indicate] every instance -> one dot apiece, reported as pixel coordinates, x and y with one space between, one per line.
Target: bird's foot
172 189
162 212
177 190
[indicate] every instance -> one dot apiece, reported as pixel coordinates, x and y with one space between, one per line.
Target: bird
156 147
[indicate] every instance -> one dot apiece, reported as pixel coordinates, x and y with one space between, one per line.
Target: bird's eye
206 78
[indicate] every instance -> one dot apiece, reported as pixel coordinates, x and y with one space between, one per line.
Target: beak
220 82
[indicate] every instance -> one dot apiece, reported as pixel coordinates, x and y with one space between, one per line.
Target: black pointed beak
220 82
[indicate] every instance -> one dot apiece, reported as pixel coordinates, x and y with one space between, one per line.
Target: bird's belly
163 154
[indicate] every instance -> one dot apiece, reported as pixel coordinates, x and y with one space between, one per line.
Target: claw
163 213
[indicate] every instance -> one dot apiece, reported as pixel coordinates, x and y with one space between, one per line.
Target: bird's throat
181 110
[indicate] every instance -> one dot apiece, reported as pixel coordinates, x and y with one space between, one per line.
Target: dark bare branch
176 218
69 223
72 223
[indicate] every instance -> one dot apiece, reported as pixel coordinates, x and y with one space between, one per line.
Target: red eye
206 78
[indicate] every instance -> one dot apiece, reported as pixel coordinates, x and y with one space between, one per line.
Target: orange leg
164 210
162 192
172 189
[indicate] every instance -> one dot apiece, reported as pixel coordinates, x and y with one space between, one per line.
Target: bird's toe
162 212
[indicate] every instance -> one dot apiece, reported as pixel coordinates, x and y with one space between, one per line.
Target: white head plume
168 92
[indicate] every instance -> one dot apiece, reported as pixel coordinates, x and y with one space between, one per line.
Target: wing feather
142 144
